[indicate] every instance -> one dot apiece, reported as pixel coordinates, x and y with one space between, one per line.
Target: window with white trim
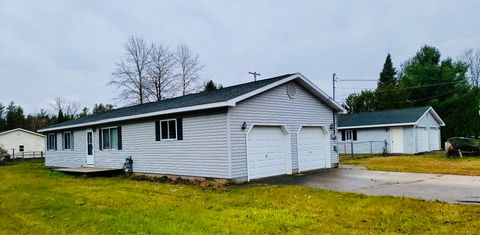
21 148
110 138
168 129
51 141
349 135
67 139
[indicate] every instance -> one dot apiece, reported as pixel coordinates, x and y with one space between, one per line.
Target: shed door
397 139
422 135
313 149
434 139
267 152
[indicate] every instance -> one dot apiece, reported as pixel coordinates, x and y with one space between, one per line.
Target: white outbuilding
22 142
399 131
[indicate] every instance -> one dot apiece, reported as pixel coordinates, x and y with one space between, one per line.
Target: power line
400 88
422 99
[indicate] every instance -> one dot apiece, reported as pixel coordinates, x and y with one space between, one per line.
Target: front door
90 150
397 139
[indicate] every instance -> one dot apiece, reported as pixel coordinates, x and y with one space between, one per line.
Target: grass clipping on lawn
428 163
32 200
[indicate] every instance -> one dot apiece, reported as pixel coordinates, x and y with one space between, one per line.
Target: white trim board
21 129
378 125
232 102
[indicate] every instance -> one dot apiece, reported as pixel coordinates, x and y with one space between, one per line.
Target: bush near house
35 201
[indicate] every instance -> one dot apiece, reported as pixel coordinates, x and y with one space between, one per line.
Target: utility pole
255 74
334 79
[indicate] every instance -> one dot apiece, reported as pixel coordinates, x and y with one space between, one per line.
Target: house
22 142
275 126
404 131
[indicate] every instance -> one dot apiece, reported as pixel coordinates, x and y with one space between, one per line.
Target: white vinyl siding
74 158
202 152
275 107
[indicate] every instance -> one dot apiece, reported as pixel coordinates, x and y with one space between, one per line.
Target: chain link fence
362 147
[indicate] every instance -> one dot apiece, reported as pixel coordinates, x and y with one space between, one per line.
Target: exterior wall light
244 126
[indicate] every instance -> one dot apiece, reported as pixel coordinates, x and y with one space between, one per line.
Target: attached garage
422 137
313 148
268 151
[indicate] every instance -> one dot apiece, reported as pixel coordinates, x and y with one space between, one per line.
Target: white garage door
422 135
313 149
267 150
434 139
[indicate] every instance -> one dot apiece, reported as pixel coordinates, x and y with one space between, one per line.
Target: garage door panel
313 146
267 152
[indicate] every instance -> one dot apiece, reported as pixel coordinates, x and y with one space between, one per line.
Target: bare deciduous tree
68 108
189 69
472 58
131 73
161 73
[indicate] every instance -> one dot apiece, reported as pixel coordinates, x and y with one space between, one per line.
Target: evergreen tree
211 86
60 116
14 117
386 94
98 108
388 74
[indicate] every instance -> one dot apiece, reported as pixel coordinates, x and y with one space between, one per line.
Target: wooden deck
91 171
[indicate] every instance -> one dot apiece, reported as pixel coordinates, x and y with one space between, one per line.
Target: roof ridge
388 110
216 95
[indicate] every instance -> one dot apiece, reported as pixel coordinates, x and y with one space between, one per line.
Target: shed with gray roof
275 126
403 131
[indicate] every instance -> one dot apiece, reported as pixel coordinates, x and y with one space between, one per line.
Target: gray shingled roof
396 116
201 98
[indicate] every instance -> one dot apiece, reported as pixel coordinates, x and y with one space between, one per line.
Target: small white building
402 131
22 141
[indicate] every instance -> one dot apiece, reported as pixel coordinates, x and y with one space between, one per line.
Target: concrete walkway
448 188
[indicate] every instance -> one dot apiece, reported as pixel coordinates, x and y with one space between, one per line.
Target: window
51 142
169 129
110 138
21 148
67 139
349 135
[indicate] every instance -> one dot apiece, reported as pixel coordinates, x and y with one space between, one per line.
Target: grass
428 163
34 201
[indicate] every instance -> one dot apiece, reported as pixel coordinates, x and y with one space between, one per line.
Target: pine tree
386 93
388 74
60 117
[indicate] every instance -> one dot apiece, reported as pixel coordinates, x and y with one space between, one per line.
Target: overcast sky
67 49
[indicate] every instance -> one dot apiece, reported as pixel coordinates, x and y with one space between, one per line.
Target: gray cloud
67 48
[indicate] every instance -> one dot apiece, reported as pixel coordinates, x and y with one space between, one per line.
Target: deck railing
15 157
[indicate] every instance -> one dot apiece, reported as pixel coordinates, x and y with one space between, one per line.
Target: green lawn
34 201
429 163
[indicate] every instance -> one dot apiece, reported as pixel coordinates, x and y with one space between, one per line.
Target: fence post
351 147
41 154
13 154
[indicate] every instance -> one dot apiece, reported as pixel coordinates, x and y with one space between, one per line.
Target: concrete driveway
448 188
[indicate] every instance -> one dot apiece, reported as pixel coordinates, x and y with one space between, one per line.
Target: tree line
450 86
12 116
